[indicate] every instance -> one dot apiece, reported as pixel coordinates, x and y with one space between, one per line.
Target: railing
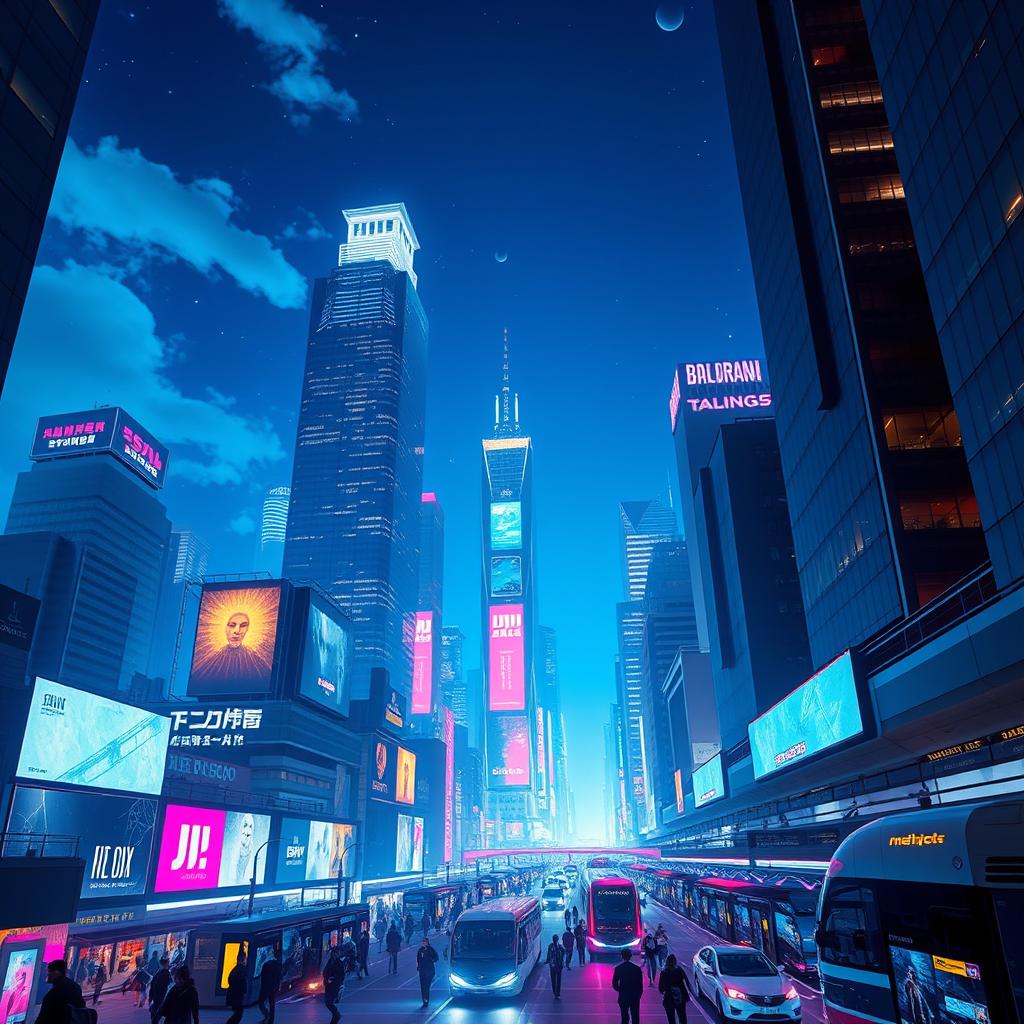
34 844
182 790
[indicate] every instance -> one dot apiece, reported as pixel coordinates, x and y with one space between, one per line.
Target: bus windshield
484 939
615 907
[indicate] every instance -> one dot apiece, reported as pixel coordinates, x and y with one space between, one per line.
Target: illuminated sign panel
506 525
326 660
708 782
423 664
405 776
214 726
209 848
18 614
720 387
313 851
677 779
507 663
383 771
818 715
508 751
109 430
448 727
79 739
507 576
409 846
236 637
115 834
673 400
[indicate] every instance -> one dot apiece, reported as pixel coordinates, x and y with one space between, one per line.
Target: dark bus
612 910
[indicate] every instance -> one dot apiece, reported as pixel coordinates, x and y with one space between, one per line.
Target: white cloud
116 194
243 525
296 44
312 230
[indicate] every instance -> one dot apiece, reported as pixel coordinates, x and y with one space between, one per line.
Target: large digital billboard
326 659
313 851
236 637
508 751
677 781
208 848
403 843
507 576
115 834
405 776
708 782
79 739
110 430
18 614
423 664
383 770
448 728
506 525
819 714
506 668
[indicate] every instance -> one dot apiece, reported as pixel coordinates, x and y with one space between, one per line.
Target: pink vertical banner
506 671
449 784
423 664
190 849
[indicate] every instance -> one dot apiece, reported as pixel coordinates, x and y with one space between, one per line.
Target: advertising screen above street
506 668
405 777
506 525
326 659
708 782
818 715
313 851
507 576
80 739
236 637
384 770
423 664
508 751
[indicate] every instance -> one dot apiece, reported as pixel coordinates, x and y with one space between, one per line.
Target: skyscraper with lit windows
273 530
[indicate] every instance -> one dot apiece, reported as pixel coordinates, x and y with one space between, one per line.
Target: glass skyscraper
353 523
273 530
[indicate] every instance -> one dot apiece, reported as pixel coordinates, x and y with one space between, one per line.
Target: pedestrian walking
334 977
99 979
426 923
363 949
159 985
410 927
270 985
575 916
237 979
568 918
555 962
380 929
661 937
568 939
394 944
674 990
650 952
181 1004
426 967
64 995
628 981
580 934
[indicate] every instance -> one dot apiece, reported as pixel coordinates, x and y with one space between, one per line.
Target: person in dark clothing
568 918
99 979
334 976
650 951
568 939
159 985
64 993
555 962
426 923
363 950
181 1004
628 981
394 944
575 917
270 985
426 967
580 935
673 987
237 984
410 927
380 929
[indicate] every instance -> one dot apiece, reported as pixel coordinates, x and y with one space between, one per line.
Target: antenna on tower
506 405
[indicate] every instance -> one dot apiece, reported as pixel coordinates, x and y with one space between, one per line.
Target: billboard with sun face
236 639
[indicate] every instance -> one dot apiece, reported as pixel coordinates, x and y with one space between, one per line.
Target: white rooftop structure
380 233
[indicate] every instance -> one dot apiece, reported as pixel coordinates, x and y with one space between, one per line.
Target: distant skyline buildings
354 518
645 524
189 554
453 677
273 530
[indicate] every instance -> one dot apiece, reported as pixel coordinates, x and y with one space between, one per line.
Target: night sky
212 149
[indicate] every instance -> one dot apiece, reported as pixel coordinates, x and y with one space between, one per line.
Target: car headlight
735 993
457 981
507 979
792 993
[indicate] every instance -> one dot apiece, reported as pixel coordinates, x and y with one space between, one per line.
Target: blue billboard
326 659
506 525
507 576
708 782
818 715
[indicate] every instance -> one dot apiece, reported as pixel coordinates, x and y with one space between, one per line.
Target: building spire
506 405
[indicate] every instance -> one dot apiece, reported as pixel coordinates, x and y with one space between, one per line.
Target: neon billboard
507 662
405 774
677 780
708 782
422 664
506 525
448 727
508 751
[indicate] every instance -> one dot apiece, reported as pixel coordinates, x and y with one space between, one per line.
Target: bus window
741 922
850 932
1009 914
476 939
788 936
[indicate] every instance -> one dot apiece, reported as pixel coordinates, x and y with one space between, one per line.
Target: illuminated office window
860 140
870 189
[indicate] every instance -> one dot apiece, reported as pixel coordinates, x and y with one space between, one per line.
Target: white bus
921 918
494 947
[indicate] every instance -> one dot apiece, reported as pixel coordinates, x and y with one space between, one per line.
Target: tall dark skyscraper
882 506
453 676
354 519
43 47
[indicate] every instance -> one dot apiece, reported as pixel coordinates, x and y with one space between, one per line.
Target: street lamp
255 864
341 873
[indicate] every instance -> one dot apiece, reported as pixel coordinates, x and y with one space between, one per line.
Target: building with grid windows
273 530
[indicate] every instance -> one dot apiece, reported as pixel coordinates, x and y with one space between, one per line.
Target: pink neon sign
449 784
423 663
506 666
190 849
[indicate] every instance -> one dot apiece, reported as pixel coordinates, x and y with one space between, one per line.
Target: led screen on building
383 771
313 851
18 614
404 843
508 751
236 637
677 780
708 782
448 730
819 714
506 525
506 668
79 739
115 834
326 659
417 844
208 848
507 576
405 776
423 664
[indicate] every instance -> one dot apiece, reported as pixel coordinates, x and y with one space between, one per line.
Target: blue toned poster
506 525
507 576
708 782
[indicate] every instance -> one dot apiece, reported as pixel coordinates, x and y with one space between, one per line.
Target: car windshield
548 893
745 965
483 939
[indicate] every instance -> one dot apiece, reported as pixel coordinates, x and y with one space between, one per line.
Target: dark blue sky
212 150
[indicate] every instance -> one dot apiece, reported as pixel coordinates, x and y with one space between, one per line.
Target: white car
553 898
744 984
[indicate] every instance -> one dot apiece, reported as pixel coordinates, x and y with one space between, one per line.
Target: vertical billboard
508 751
506 672
448 728
326 658
383 771
18 614
417 844
506 525
708 782
423 664
404 843
507 576
236 638
405 776
209 848
76 738
677 780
